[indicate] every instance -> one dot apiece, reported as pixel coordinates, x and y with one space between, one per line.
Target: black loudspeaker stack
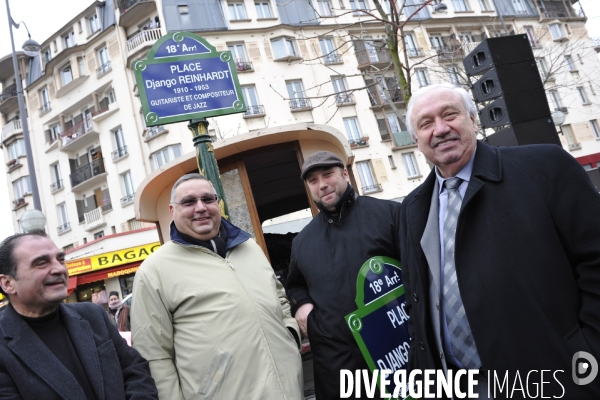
509 87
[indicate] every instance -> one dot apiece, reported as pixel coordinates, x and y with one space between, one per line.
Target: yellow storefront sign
112 259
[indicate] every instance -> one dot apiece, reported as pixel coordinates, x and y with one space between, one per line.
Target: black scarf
345 201
219 242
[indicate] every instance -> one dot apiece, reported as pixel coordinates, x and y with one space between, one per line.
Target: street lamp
559 118
440 7
31 48
33 221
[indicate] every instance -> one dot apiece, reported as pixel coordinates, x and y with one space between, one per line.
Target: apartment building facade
80 123
319 61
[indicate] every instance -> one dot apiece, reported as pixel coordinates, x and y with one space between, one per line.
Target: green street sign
185 78
380 325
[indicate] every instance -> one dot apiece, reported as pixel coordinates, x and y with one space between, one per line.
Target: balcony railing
344 98
255 110
18 203
372 188
469 47
107 206
449 53
563 109
8 92
300 104
13 164
93 219
415 52
148 36
596 43
359 142
63 228
87 172
9 128
154 130
332 58
103 69
402 139
127 199
562 13
382 97
120 152
125 5
51 141
56 185
44 109
373 56
100 111
76 131
242 66
134 225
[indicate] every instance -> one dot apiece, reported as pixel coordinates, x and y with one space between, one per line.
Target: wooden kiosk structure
260 172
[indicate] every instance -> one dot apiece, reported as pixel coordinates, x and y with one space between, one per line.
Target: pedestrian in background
118 312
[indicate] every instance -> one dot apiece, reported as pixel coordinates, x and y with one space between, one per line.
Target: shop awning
108 273
72 284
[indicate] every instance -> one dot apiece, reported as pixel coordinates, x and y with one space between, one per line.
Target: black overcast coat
29 369
528 264
326 258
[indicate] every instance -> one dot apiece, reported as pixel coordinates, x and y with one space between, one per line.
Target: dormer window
46 55
66 75
93 23
284 48
69 39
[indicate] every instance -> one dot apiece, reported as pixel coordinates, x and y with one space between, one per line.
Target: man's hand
302 316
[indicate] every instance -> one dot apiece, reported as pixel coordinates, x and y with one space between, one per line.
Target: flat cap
320 159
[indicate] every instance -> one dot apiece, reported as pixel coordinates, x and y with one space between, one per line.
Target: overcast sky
44 17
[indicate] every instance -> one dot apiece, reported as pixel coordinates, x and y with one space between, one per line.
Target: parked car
127 299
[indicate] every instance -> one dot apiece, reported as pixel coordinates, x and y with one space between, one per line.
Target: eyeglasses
192 201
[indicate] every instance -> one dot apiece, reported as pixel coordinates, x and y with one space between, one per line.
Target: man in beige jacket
209 314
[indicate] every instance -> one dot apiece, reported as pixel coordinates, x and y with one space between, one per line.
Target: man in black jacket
519 272
326 258
50 350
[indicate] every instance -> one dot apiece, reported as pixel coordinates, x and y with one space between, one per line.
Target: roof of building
107 17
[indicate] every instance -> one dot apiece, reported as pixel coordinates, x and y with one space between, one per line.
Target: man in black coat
50 350
326 258
526 257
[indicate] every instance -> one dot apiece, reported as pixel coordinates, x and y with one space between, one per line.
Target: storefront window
94 292
126 284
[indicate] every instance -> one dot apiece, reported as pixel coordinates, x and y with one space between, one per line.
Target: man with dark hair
326 258
501 258
209 313
50 350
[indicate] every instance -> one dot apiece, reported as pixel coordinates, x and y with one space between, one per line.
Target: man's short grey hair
465 96
186 177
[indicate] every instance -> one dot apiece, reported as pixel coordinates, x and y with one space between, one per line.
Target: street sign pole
184 78
207 163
